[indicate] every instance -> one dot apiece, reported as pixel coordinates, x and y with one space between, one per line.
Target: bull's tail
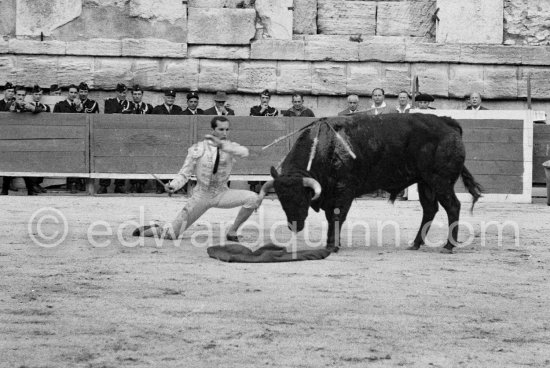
472 185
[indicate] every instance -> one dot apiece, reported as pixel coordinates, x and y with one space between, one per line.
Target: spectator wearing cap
168 107
424 100
119 104
138 106
37 93
353 106
55 90
263 109
193 105
298 109
70 105
220 107
403 105
88 106
378 106
475 102
9 97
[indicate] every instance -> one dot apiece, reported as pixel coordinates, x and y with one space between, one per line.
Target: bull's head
295 193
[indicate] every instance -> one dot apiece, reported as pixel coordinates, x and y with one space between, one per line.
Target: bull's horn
274 172
268 185
313 184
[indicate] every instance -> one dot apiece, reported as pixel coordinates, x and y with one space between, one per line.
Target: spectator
119 104
37 92
168 107
141 108
138 106
353 106
220 108
55 90
379 106
298 108
263 109
475 102
9 97
72 104
193 105
20 106
89 106
403 106
424 100
116 105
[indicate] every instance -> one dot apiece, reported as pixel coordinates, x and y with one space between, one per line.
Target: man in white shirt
378 104
403 106
210 161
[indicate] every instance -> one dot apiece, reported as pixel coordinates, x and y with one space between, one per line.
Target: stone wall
324 49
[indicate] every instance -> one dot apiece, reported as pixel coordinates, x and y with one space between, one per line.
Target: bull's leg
451 204
336 217
428 202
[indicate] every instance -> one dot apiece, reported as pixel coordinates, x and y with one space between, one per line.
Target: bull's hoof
414 247
139 231
448 249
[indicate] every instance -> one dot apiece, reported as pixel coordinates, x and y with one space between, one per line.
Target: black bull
392 152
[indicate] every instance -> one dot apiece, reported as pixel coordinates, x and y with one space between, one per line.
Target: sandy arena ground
98 299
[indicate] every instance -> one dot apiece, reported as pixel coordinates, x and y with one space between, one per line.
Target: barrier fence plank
541 151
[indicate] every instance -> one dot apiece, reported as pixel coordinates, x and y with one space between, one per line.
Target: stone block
490 54
470 21
233 26
172 11
432 78
397 78
465 79
294 76
363 77
305 17
180 74
8 71
540 89
328 78
221 3
7 25
382 51
219 52
346 17
432 52
40 70
95 47
275 18
285 50
74 70
43 16
153 47
109 72
406 18
332 51
218 75
4 46
526 22
500 82
255 76
146 73
16 46
535 55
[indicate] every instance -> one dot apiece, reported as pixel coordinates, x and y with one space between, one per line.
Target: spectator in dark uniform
424 100
298 109
168 107
141 108
72 104
263 109
116 105
20 106
193 105
55 90
37 93
220 107
475 102
89 106
119 104
9 97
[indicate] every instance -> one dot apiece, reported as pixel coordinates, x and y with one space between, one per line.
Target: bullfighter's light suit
211 189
